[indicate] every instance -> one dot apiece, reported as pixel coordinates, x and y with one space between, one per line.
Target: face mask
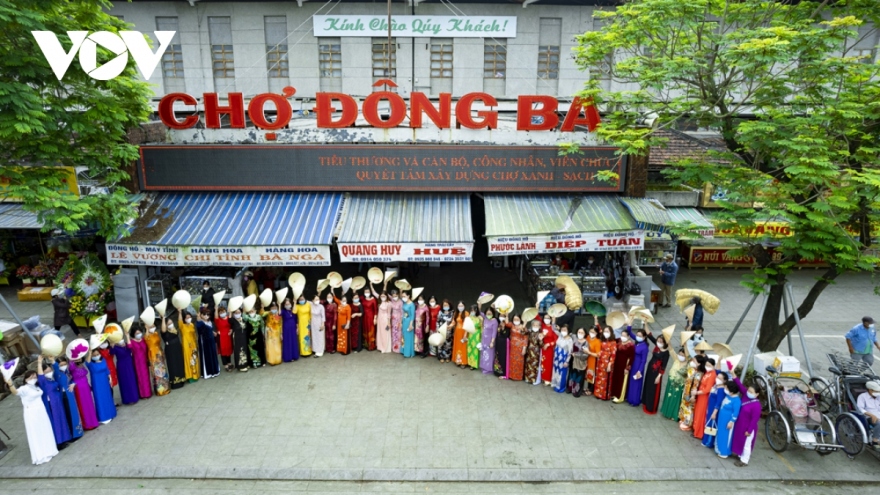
607 335
871 326
358 301
393 298
692 365
50 374
303 301
288 306
432 304
188 321
384 298
581 336
709 367
624 338
661 345
564 333
96 358
445 308
317 301
222 315
237 316
63 367
546 321
32 381
640 339
274 311
421 303
105 345
719 381
535 329
681 358
517 322
152 329
368 295
592 335
329 299
501 318
206 287
461 308
750 395
490 315
138 336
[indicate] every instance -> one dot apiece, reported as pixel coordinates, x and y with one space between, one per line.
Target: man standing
62 311
668 271
860 339
869 405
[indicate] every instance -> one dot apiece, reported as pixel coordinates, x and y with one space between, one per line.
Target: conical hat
346 284
644 315
280 294
148 316
218 296
667 334
529 314
266 298
113 332
8 368
96 340
689 312
322 284
296 279
161 307
390 274
416 292
557 310
235 303
51 345
335 279
703 346
504 304
402 284
126 323
77 348
686 335
485 298
723 350
249 303
358 283
541 295
615 319
196 303
634 309
375 275
181 299
436 339
732 362
596 308
468 325
443 329
99 323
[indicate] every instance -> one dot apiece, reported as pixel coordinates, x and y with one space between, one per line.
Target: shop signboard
633 240
415 26
355 167
379 252
68 185
722 257
236 256
761 229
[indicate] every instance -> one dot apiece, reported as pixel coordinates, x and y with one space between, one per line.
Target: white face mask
96 358
581 336
188 321
709 367
681 358
624 338
692 365
384 298
751 395
393 298
433 303
368 295
516 322
63 367
287 306
592 335
535 329
330 299
461 308
607 335
138 336
32 381
564 333
274 311
501 318
661 345
640 339
719 381
50 374
421 303
546 321
222 315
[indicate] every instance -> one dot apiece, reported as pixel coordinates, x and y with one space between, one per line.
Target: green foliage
77 122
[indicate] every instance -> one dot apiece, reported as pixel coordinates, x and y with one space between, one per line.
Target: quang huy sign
152 255
416 26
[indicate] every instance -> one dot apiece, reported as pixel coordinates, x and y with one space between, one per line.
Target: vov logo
87 46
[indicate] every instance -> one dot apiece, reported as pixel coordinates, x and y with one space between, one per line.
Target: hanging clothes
371 309
273 337
561 355
240 351
487 345
307 331
158 367
128 388
174 359
85 400
383 328
54 404
101 390
140 357
519 342
69 397
604 367
41 440
189 342
289 336
407 327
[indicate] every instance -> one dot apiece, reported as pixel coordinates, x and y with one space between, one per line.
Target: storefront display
657 245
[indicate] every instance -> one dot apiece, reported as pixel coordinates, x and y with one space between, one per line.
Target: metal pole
388 53
741 318
754 338
21 323
797 322
785 308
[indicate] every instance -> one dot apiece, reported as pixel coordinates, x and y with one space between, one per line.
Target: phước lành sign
152 255
631 240
379 252
416 26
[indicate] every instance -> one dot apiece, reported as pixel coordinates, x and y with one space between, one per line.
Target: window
172 59
495 59
222 61
441 58
330 57
380 58
548 62
277 64
865 56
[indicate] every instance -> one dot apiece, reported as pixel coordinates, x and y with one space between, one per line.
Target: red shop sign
720 257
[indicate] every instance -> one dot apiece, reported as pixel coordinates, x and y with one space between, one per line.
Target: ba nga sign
150 255
404 251
356 167
633 240
415 26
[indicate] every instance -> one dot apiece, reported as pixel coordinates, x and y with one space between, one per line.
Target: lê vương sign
415 26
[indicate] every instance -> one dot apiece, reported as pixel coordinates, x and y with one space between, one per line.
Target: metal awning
388 227
14 216
693 220
649 213
528 224
230 229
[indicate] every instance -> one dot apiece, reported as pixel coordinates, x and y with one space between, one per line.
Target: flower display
77 305
24 271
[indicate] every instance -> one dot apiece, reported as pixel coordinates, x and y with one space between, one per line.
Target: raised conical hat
8 368
235 303
703 346
732 362
181 299
99 323
126 323
529 314
375 275
634 309
667 334
196 303
218 296
443 329
335 279
504 304
266 298
596 308
113 332
686 335
541 295
689 312
469 326
416 292
557 310
161 307
148 316
644 315
51 345
296 279
280 294
615 319
390 274
96 340
485 298
322 284
346 284
249 302
77 348
402 284
436 339
358 283
723 350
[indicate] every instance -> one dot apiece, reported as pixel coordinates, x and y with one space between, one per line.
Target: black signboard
377 168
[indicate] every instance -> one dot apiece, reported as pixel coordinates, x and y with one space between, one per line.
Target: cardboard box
35 294
787 364
761 361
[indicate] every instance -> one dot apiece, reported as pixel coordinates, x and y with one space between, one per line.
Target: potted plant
24 274
40 273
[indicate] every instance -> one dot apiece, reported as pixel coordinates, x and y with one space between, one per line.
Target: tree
796 106
47 124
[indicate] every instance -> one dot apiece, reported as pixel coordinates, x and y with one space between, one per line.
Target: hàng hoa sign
534 112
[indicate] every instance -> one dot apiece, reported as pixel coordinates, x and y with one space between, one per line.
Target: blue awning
232 229
649 213
14 216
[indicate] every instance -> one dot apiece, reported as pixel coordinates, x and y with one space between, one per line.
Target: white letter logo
87 46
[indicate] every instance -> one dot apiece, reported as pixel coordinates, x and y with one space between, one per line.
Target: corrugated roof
238 219
13 216
524 214
649 213
689 216
405 217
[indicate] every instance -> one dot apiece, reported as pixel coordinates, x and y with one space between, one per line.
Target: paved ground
383 418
